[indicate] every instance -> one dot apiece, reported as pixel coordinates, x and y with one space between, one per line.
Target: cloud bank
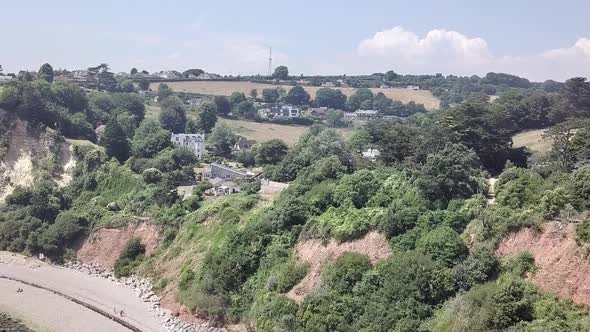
452 52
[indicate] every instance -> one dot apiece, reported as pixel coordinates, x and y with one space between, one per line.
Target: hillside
563 267
533 140
221 88
29 153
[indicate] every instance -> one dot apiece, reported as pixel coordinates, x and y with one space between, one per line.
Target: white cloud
452 52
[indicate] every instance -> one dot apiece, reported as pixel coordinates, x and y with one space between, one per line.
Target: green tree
270 152
253 93
270 95
332 98
45 73
360 99
133 71
207 116
223 105
246 109
102 77
164 91
149 139
345 272
335 119
356 189
173 115
281 73
359 141
115 141
222 140
298 96
236 98
453 172
444 244
143 84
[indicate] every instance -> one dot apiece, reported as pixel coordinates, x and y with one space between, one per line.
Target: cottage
350 116
328 85
365 115
384 86
208 76
318 111
371 154
226 173
221 187
413 87
194 142
6 78
244 144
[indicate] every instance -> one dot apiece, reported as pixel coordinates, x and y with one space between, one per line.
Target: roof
100 129
216 181
229 184
366 112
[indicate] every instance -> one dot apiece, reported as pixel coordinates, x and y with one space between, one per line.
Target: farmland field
259 131
533 140
266 131
223 88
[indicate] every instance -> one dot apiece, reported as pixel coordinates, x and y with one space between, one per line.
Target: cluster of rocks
143 289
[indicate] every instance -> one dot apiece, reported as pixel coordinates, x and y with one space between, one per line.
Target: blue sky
538 39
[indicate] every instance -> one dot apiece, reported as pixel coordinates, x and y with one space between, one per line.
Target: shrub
345 272
129 258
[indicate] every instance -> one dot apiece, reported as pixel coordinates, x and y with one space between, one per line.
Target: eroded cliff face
563 266
30 152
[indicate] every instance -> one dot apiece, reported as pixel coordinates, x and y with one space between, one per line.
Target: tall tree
361 98
333 98
298 96
253 93
173 115
223 106
133 71
270 95
45 73
164 91
143 84
207 116
102 78
115 141
281 73
236 98
221 140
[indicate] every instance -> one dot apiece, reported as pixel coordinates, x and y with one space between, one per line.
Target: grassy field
266 131
533 140
261 132
226 88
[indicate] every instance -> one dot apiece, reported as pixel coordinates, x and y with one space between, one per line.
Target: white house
194 142
413 87
365 115
371 154
291 111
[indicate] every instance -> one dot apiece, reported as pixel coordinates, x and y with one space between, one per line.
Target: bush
520 264
443 243
345 272
129 258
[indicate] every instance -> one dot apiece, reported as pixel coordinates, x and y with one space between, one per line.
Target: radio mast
270 62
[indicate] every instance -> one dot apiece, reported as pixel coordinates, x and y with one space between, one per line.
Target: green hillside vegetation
233 259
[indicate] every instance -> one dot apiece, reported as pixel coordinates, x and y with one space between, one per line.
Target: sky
537 39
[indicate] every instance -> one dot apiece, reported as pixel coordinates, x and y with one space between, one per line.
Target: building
384 86
365 115
6 78
169 75
290 111
221 187
350 116
328 85
319 112
194 142
208 76
244 144
227 173
413 87
99 132
371 154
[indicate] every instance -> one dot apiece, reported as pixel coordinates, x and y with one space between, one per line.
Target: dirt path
51 310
